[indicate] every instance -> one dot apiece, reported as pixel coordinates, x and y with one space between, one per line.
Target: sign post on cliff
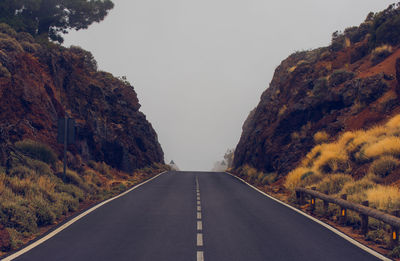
66 135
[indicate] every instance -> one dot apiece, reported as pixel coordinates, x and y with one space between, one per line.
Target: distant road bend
195 216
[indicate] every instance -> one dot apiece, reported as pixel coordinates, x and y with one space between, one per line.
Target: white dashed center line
199 239
199 225
200 243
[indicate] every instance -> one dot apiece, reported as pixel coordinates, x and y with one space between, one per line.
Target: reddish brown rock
45 84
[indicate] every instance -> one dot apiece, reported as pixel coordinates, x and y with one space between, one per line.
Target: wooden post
312 201
394 237
326 206
343 212
364 220
300 197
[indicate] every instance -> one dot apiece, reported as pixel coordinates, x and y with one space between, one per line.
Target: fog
199 67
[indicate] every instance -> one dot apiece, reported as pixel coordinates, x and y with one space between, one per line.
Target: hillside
40 83
349 85
115 148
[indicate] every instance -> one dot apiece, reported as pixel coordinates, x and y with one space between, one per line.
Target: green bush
21 172
6 29
37 151
44 214
340 76
10 45
15 214
25 37
380 53
333 184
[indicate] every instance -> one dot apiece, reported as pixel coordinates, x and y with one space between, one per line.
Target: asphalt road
195 216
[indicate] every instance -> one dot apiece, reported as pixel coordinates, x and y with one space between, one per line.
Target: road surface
195 216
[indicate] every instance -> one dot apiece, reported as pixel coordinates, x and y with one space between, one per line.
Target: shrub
87 57
357 187
4 72
321 137
384 166
293 179
269 178
380 53
387 146
340 76
10 45
37 151
378 236
71 190
15 214
332 161
43 212
25 37
30 47
21 172
333 184
6 29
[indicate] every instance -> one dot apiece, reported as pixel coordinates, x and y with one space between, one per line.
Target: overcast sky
200 66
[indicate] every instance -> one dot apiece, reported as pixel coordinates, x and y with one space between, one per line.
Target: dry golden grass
327 165
321 137
383 48
357 187
385 146
383 166
384 197
333 184
394 123
333 159
293 179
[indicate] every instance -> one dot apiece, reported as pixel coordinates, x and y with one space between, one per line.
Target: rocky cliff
353 83
40 83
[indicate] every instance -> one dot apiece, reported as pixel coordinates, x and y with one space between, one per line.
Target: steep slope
352 84
40 83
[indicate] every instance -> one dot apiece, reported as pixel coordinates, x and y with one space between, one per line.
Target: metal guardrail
364 210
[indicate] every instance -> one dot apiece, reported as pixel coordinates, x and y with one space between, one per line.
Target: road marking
198 208
69 223
334 230
198 215
200 256
199 225
199 239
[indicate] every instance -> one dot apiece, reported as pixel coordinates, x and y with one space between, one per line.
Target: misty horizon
199 68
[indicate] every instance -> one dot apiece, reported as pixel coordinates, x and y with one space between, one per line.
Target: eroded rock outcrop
40 83
349 85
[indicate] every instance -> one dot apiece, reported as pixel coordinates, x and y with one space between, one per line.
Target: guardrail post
394 237
364 220
343 212
300 197
312 201
394 231
326 205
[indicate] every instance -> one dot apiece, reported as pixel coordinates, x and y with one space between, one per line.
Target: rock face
333 89
41 83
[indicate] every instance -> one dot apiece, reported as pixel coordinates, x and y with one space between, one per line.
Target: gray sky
200 66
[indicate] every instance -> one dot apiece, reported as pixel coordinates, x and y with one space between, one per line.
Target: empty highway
195 216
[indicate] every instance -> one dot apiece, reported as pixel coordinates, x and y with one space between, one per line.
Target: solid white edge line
334 230
69 223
